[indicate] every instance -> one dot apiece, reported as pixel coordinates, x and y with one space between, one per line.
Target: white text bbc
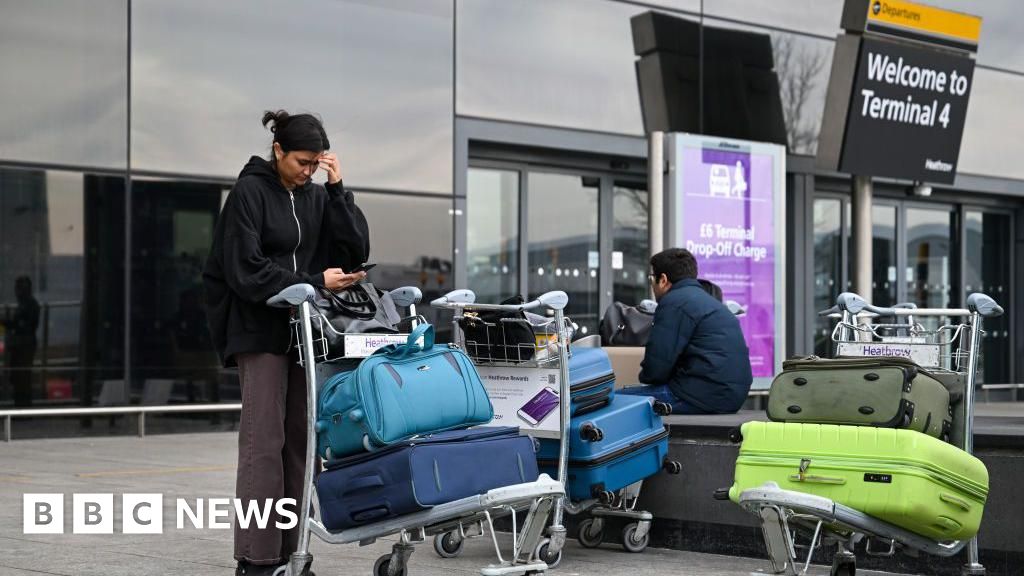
144 513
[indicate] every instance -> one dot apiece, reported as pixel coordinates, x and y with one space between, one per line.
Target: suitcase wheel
736 436
630 542
662 408
672 467
591 433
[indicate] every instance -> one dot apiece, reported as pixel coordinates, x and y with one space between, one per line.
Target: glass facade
379 74
61 286
64 95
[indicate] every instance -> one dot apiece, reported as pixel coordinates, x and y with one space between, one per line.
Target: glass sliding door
987 269
492 233
928 274
562 220
828 268
883 257
629 243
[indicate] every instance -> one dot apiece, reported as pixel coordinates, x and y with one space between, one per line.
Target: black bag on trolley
499 336
360 309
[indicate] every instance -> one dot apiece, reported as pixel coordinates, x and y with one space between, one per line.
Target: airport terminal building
496 145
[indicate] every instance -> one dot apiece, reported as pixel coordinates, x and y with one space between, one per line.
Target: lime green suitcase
900 476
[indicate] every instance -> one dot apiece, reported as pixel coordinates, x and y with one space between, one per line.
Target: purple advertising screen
727 216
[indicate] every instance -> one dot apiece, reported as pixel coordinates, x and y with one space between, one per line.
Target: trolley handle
984 305
296 294
293 295
465 300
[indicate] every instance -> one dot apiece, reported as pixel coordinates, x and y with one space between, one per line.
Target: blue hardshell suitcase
591 380
610 448
399 392
422 473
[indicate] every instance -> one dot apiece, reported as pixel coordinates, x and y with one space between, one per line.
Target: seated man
696 357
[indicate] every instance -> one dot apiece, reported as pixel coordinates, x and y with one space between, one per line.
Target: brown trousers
271 451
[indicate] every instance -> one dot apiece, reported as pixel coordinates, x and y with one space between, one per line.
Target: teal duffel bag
401 391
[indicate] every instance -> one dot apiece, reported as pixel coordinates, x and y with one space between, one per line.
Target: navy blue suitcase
610 448
591 380
422 473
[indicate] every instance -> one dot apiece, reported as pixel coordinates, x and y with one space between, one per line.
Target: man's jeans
661 393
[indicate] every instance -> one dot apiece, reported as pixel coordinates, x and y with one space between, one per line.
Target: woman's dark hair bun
297 132
274 119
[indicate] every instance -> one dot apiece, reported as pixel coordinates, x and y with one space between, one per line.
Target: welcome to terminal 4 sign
898 92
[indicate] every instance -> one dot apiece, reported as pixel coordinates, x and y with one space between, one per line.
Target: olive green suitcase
900 476
887 392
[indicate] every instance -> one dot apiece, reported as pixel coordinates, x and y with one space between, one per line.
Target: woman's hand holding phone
336 279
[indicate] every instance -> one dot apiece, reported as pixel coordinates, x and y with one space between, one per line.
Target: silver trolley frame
522 355
619 504
784 514
466 516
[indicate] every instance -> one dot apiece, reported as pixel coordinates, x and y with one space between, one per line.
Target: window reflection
173 359
411 243
65 82
563 255
492 234
61 286
379 73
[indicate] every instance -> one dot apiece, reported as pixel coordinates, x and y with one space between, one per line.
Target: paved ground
195 466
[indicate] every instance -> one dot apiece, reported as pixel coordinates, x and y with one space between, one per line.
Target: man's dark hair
675 263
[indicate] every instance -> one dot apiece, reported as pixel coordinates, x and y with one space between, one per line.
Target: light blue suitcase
399 392
610 448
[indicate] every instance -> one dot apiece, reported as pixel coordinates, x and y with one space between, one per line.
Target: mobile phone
362 268
539 407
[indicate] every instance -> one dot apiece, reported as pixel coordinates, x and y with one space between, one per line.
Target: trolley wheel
448 545
591 533
382 567
543 554
629 541
843 566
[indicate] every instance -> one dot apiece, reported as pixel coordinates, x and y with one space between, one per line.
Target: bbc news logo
144 513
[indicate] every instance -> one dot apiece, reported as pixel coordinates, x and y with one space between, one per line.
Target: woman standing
277 228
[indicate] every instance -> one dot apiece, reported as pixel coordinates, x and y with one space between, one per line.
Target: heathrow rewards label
922 354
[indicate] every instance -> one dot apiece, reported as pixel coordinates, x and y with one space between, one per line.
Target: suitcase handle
363 483
959 503
811 478
803 476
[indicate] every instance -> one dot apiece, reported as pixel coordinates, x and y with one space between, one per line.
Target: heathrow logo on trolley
144 513
920 353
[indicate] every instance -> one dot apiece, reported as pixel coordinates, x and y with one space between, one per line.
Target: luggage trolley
784 513
501 350
536 499
520 355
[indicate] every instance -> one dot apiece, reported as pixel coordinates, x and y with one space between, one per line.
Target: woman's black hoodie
267 239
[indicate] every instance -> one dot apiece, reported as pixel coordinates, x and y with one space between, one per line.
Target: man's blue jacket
697 348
